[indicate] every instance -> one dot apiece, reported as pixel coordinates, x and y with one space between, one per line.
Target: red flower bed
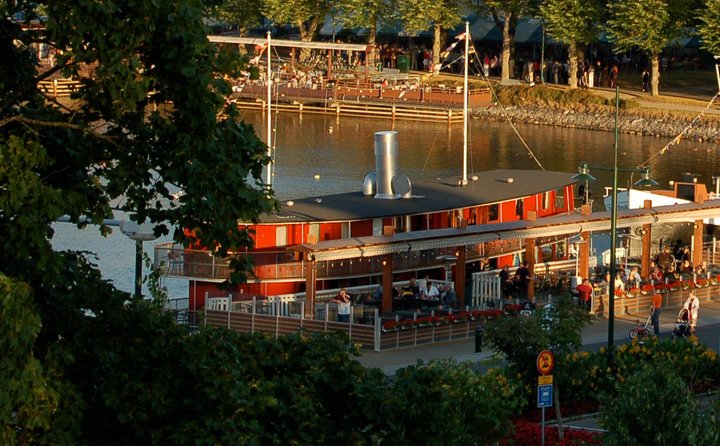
569 409
648 288
488 314
512 309
528 433
390 325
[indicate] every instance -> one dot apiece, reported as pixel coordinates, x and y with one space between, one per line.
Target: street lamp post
645 181
138 233
613 239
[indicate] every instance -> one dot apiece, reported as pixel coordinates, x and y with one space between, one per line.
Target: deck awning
569 225
288 43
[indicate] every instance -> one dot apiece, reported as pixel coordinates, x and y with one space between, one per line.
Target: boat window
281 236
519 209
493 212
546 253
314 233
560 199
377 226
546 200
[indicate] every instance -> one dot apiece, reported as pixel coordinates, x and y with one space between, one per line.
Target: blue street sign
545 395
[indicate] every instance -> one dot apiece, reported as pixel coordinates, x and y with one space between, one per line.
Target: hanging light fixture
646 181
583 173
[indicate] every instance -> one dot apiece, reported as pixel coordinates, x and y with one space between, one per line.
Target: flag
451 47
460 36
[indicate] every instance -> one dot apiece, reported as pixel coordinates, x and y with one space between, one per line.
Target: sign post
545 364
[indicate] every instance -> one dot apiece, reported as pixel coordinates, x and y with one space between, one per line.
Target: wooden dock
365 110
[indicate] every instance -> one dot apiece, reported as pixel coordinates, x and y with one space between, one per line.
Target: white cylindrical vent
386 151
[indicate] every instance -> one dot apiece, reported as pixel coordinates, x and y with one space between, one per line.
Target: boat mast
464 181
268 179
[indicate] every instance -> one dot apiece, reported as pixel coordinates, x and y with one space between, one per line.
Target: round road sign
545 362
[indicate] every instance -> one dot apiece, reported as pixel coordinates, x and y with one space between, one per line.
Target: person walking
645 80
692 305
524 278
656 306
585 292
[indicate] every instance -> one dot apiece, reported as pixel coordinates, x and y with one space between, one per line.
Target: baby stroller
682 326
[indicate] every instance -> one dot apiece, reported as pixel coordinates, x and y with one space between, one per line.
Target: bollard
478 339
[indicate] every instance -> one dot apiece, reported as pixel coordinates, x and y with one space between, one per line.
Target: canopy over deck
289 43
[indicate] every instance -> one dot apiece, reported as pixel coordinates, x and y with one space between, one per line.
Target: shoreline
635 121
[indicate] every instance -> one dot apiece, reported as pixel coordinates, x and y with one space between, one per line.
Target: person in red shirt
656 305
584 291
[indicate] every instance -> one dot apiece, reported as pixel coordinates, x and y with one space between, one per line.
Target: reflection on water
341 152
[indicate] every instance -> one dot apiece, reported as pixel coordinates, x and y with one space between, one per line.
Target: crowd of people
666 267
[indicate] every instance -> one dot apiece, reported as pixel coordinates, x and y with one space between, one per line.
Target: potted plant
391 325
407 324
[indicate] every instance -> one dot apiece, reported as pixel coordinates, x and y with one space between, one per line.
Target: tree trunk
307 31
242 32
508 54
436 47
372 38
558 414
655 75
573 65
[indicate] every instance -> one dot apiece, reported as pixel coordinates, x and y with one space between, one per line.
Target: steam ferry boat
389 205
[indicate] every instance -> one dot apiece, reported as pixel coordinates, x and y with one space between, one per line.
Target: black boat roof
427 196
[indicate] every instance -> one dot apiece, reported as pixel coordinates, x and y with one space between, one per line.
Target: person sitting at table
634 278
686 269
671 276
450 298
430 292
411 290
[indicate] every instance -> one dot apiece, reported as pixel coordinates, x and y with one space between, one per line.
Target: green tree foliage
421 15
505 13
649 25
447 403
143 124
710 27
520 339
654 406
368 14
572 22
307 15
28 393
242 14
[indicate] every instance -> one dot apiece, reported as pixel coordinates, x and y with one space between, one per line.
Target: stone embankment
635 121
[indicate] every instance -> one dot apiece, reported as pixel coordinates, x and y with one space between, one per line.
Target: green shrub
448 403
584 376
517 95
653 406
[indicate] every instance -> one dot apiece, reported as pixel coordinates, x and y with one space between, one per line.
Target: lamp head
583 173
646 181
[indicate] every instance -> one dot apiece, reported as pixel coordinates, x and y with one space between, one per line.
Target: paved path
594 336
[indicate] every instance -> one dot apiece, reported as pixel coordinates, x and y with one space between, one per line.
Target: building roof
569 224
427 196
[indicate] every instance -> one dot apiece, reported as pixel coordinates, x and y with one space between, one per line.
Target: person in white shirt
618 284
692 305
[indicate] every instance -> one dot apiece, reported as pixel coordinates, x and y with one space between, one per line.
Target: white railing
486 289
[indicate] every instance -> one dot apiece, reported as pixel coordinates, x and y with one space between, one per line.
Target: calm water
341 153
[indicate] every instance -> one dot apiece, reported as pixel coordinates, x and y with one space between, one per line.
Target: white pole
268 179
465 105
